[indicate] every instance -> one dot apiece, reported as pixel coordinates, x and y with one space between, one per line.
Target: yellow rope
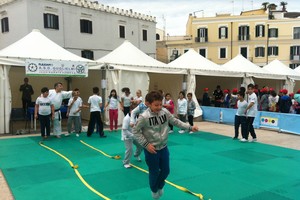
76 171
145 171
117 157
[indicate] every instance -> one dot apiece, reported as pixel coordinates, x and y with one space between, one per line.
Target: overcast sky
176 12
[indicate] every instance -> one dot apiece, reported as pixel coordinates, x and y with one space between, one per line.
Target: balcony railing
201 39
295 57
244 37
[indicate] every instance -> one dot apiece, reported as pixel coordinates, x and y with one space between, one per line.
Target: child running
43 111
151 131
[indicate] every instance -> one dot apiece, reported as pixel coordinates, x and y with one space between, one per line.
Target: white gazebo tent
33 46
198 65
280 69
127 66
250 70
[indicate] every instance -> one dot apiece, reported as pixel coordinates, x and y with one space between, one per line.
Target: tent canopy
128 57
241 64
199 65
36 46
277 67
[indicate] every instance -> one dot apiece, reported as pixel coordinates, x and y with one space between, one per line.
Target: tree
265 4
272 6
283 4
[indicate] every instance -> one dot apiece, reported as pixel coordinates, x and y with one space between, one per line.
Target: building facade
259 35
86 28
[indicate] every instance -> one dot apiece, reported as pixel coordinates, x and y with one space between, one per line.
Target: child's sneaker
67 134
138 158
244 140
77 135
181 131
191 132
254 140
170 131
155 195
127 166
160 192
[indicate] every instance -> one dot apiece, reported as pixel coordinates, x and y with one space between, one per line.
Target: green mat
216 166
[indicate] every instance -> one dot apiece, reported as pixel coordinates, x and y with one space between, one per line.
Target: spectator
218 96
27 91
205 98
285 102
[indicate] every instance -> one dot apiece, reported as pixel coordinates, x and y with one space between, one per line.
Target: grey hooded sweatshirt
152 128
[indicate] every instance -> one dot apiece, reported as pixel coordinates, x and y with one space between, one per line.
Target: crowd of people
268 99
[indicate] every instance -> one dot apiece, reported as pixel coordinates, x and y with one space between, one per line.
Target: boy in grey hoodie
151 131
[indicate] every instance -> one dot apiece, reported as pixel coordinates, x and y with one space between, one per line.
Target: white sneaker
254 140
243 140
77 135
138 158
155 195
170 131
181 131
191 132
127 166
160 192
67 134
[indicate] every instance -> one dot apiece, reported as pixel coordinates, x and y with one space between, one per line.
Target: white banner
35 67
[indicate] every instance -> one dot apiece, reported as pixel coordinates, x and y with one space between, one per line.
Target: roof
200 65
129 57
36 46
277 67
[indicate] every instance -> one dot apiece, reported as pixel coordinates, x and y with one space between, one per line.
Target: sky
173 14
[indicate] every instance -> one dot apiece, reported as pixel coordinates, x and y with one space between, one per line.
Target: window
144 35
260 30
4 25
296 32
295 53
260 52
122 31
202 34
51 21
272 51
223 32
87 54
273 32
202 52
222 53
294 66
157 36
86 26
244 33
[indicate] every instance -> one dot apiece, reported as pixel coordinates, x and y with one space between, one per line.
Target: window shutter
220 28
276 32
56 22
263 30
276 51
91 27
206 34
263 51
256 52
269 51
257 31
81 26
226 32
45 21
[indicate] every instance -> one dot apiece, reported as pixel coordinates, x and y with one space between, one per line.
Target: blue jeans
159 168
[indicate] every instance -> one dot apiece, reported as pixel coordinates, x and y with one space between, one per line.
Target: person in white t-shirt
112 102
44 111
240 117
126 100
95 103
73 113
182 108
56 96
250 112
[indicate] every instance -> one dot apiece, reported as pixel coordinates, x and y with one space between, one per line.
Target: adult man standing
27 91
250 112
56 96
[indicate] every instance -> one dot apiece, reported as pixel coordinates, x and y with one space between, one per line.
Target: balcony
295 57
201 39
243 37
